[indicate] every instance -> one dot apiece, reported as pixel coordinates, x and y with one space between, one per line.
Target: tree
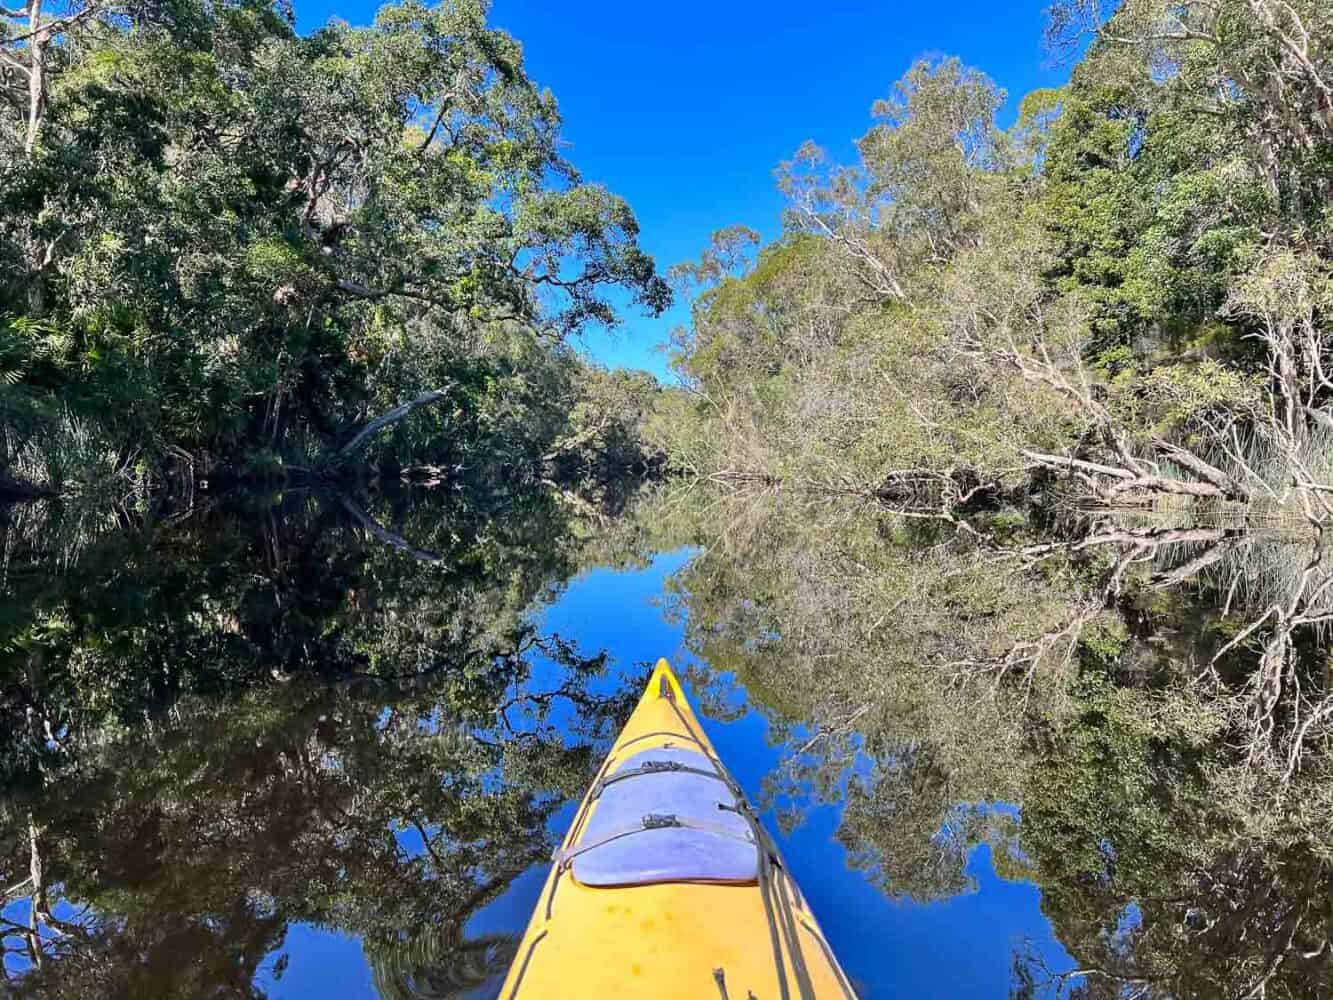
223 237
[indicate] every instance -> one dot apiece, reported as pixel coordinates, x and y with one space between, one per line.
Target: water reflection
193 847
224 724
287 714
1154 697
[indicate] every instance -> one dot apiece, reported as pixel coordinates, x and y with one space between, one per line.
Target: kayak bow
667 884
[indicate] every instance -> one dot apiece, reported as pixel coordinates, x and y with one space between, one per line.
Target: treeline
226 246
1127 291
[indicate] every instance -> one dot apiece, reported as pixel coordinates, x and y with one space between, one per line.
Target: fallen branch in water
1140 477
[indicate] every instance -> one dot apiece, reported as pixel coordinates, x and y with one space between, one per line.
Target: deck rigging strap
619 751
793 939
847 992
658 767
576 829
523 969
564 857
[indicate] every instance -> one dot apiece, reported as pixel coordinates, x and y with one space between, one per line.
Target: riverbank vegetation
1123 301
1026 435
1127 290
226 248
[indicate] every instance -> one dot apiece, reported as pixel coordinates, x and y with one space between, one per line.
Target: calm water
305 746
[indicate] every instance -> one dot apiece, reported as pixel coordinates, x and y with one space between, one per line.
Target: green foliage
1122 271
306 708
229 237
1182 396
1103 642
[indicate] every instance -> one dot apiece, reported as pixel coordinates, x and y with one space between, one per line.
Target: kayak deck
688 899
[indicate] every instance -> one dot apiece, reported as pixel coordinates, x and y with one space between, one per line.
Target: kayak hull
679 938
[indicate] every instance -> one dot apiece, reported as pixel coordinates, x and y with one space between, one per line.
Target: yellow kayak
667 884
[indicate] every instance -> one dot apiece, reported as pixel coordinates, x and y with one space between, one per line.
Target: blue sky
686 108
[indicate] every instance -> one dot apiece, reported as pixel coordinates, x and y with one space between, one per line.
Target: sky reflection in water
959 947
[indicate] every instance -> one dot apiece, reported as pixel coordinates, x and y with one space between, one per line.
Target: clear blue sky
685 108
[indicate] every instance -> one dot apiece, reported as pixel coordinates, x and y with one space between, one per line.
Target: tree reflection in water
1132 714
222 726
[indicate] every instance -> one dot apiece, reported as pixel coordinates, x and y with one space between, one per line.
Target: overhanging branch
379 423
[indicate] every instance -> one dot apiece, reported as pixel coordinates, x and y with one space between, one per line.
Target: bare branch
387 419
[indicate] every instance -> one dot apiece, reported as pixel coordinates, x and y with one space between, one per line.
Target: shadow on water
367 717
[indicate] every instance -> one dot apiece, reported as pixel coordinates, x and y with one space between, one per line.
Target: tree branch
385 420
446 105
387 536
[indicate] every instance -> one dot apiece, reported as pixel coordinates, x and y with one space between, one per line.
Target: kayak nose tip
664 683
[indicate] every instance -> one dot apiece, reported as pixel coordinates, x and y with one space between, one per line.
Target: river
307 745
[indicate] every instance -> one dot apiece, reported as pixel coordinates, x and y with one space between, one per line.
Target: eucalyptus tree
1128 287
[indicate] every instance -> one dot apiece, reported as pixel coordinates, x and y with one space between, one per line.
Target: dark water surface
314 745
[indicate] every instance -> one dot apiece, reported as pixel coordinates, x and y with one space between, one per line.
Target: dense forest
226 248
1128 288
